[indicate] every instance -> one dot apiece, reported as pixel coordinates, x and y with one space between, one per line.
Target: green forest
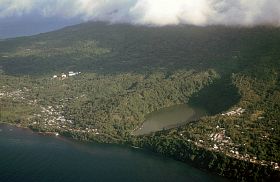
127 72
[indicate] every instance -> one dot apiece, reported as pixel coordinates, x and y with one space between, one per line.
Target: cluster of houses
64 76
224 143
14 95
54 119
238 112
220 137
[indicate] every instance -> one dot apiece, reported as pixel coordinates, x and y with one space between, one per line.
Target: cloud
8 8
152 12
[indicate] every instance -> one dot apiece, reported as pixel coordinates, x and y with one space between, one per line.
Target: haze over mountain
31 24
57 13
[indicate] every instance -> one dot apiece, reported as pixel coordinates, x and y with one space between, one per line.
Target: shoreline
132 145
91 148
28 128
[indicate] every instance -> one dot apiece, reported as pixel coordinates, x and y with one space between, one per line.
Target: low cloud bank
152 12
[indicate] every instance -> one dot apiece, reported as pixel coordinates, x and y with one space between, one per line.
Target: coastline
205 155
30 129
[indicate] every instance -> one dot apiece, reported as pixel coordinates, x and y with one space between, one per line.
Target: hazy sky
32 24
145 12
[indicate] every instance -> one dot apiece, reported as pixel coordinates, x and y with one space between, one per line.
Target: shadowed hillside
217 97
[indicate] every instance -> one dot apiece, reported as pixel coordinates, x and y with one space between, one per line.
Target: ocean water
28 156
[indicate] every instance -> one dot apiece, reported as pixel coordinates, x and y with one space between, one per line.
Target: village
224 144
64 76
219 141
50 117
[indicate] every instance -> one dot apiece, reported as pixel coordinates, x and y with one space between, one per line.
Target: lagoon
170 117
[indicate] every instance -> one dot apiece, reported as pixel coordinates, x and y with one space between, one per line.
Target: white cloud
164 12
11 7
153 12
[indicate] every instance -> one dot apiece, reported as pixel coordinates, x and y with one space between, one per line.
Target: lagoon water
28 156
170 117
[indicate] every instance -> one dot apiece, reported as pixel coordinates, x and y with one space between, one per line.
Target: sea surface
26 156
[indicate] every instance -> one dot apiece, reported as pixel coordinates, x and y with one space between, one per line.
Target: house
72 73
238 111
63 75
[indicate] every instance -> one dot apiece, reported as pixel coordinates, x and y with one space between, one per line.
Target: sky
51 14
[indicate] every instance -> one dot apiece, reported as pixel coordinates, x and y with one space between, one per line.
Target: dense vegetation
130 71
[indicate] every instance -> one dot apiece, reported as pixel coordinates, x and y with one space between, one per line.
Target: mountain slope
131 71
125 48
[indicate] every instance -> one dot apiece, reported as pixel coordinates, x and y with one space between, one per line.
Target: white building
72 73
63 75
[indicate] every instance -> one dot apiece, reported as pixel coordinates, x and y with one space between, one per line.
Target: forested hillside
125 72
